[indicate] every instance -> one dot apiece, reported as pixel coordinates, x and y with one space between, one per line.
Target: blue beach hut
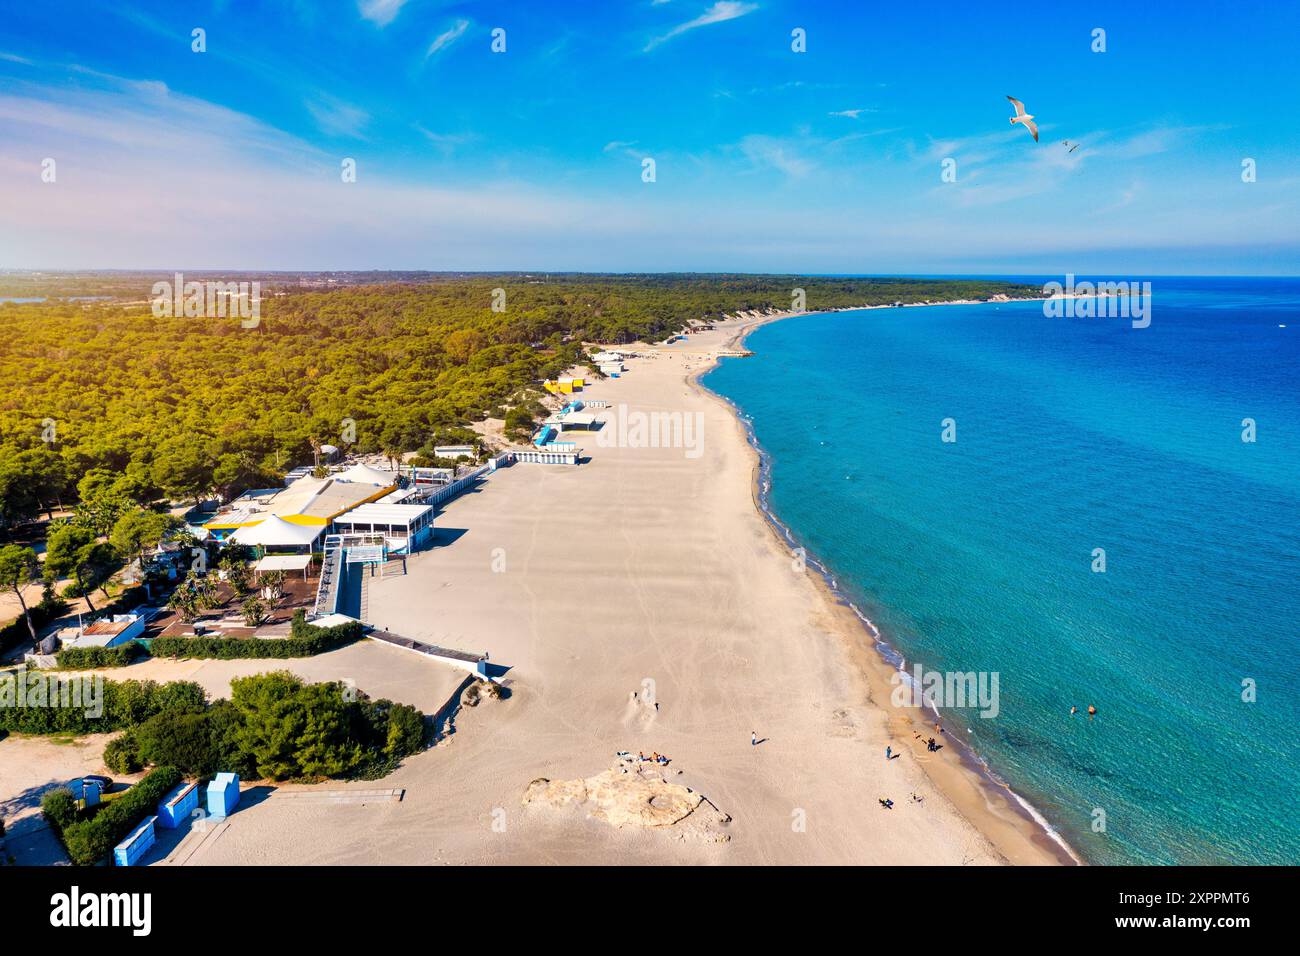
223 794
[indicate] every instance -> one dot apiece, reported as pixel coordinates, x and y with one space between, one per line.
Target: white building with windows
406 528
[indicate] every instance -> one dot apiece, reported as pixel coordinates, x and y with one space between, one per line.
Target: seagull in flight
1022 117
1073 146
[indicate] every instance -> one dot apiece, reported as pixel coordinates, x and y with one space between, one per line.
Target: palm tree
393 454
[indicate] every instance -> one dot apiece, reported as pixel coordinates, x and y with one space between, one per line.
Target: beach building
612 369
608 356
406 528
409 495
108 631
556 453
565 386
583 420
274 533
309 502
432 476
360 474
223 795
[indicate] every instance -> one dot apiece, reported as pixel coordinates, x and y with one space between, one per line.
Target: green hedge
90 841
123 704
304 640
88 658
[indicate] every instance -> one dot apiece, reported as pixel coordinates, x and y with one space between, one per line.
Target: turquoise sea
1072 434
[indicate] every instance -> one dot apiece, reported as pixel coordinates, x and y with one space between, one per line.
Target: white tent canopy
284 562
274 532
365 475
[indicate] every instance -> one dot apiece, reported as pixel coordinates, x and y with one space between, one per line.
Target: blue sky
766 160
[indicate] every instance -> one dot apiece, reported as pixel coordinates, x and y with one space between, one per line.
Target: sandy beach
642 603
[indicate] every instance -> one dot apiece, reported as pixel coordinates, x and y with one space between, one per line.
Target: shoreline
885 660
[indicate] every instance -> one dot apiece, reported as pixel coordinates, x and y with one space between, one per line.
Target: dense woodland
103 394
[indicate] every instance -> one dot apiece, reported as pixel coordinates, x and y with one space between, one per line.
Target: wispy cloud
446 142
337 118
447 37
623 148
852 114
380 12
720 12
776 153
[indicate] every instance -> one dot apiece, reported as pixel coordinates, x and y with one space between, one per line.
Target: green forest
101 394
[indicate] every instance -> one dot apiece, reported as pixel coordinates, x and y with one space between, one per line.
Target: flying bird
1022 117
1073 146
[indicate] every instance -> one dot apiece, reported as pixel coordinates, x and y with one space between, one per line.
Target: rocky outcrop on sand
625 797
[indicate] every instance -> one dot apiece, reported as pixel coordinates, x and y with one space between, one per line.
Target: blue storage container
129 851
178 805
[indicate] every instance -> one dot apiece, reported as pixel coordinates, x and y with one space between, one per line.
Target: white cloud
720 12
380 12
776 153
337 118
447 38
151 178
155 179
625 148
446 142
852 114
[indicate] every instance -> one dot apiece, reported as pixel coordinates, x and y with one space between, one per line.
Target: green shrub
60 808
122 755
304 640
90 841
405 731
289 729
88 658
195 743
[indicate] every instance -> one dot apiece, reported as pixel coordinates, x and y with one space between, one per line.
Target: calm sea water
1072 434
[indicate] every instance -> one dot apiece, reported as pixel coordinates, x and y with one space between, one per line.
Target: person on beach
887 804
888 752
753 738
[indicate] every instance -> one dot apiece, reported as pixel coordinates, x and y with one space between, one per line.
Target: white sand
645 564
